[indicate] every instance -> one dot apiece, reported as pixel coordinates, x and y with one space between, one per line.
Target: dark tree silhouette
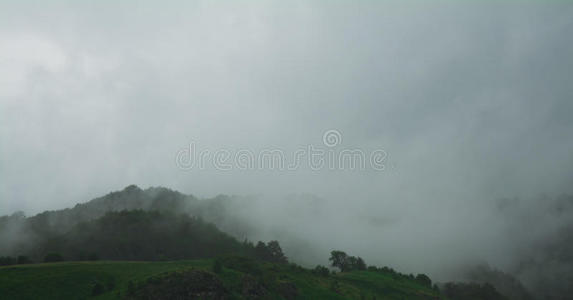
339 259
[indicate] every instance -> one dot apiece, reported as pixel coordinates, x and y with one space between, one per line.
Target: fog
470 102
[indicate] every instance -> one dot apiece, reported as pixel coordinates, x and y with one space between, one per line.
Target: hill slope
157 225
21 235
239 278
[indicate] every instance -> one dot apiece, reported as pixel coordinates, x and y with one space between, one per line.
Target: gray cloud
472 101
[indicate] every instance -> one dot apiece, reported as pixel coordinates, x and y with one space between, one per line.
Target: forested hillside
164 229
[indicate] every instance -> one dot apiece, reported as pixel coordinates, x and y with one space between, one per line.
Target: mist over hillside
520 263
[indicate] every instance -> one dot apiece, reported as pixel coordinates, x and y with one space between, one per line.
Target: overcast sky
471 101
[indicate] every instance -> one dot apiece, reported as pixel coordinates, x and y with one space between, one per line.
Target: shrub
23 260
53 257
360 264
424 280
242 264
7 260
339 259
321 270
217 267
335 286
98 289
130 288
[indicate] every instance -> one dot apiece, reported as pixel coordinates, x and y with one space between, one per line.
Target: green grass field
76 280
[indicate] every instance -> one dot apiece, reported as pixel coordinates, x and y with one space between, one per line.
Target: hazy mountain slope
111 280
540 259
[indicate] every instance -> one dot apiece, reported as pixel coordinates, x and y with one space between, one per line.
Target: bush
271 252
321 270
346 263
242 264
53 257
424 280
7 260
130 288
360 264
335 286
190 284
217 267
23 260
98 289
